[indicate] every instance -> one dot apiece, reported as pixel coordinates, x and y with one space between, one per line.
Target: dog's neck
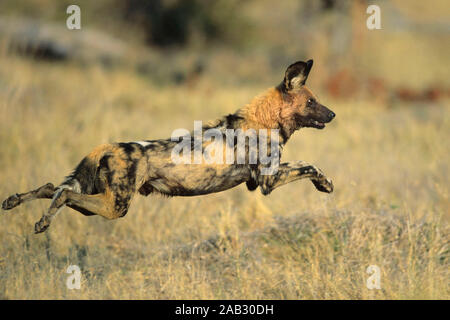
269 111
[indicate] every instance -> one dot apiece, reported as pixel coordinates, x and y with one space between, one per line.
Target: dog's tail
85 177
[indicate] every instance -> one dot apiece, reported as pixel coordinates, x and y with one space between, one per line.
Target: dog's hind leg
106 204
44 192
112 184
58 201
292 171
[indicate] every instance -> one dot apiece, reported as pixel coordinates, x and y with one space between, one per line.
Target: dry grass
390 206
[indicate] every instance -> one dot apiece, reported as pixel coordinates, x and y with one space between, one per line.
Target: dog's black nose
331 115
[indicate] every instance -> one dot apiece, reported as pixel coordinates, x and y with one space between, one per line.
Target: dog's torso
164 175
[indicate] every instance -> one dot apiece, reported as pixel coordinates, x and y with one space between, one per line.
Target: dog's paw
12 202
42 225
324 184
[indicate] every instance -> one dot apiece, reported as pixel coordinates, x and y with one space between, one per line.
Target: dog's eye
311 101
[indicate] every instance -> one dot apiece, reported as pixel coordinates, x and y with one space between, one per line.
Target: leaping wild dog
105 181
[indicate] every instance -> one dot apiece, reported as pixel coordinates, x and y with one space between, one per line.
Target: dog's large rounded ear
296 74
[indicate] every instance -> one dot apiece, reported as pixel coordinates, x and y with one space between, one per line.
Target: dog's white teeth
316 123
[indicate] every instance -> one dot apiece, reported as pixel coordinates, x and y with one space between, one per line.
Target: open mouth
318 125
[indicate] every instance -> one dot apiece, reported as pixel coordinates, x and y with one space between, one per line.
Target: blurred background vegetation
249 40
140 69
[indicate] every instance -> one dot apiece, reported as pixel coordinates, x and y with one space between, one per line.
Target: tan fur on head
288 107
276 110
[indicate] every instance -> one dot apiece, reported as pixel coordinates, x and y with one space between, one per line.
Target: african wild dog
105 181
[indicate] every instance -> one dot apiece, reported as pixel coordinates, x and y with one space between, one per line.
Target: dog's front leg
291 171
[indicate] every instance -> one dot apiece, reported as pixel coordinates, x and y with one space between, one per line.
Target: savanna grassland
390 207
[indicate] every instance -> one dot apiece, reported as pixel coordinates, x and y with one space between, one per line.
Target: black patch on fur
84 173
146 189
103 175
283 133
131 174
127 147
232 121
307 169
81 210
252 185
281 88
